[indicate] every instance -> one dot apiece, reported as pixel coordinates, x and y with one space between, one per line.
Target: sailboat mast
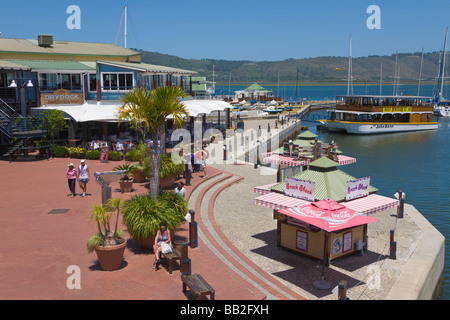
381 77
420 74
350 71
443 66
395 75
125 10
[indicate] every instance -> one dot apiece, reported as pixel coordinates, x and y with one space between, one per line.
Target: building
77 78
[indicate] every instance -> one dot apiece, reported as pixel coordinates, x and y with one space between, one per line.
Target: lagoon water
417 163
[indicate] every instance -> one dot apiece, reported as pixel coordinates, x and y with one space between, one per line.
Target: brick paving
38 247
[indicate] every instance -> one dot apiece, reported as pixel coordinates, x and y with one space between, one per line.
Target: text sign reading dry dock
61 96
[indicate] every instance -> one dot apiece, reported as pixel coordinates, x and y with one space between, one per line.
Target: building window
117 81
54 81
92 82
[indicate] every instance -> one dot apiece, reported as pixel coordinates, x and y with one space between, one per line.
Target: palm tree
151 109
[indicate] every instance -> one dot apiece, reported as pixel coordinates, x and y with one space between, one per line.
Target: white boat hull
372 128
442 111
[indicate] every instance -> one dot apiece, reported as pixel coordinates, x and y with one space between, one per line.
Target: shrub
93 155
60 151
115 156
137 153
142 214
168 168
77 152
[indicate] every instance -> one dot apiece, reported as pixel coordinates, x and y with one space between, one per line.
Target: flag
337 69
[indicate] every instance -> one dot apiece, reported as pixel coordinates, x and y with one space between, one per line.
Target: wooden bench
198 286
171 256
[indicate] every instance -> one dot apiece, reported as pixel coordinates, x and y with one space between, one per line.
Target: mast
394 92
296 89
442 71
125 10
381 76
420 74
350 71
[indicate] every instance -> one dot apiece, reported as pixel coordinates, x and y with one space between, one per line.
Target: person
203 162
180 190
187 168
83 176
163 235
71 173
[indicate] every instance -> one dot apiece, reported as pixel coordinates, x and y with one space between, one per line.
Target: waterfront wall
423 273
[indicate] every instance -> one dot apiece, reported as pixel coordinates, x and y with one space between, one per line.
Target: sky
256 30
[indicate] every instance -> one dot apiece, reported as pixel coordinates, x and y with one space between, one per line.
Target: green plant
115 156
60 151
137 153
128 168
55 122
93 155
168 168
142 213
105 236
77 152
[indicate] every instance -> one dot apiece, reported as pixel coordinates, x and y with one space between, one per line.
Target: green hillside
320 69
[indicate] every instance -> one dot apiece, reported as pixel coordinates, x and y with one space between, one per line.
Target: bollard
393 247
193 230
185 262
342 290
401 206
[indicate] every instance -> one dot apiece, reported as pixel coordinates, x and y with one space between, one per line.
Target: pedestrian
71 173
163 235
180 190
187 168
203 156
83 176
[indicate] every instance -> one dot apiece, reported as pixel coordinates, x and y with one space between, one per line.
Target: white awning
106 111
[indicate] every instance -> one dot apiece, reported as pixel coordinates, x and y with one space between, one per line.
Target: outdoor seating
123 145
97 144
171 256
198 286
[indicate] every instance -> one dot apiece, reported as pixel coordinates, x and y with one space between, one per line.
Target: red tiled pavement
37 248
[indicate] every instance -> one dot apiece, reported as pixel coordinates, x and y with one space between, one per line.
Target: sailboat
441 107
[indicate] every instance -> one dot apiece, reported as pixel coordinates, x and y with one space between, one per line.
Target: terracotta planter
110 258
167 183
147 243
126 186
139 176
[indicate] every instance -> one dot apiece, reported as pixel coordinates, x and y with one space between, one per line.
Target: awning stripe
287 161
372 203
279 201
264 189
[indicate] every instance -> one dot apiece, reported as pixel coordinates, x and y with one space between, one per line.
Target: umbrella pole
322 284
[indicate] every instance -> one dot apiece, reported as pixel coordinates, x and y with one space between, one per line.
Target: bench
171 256
198 286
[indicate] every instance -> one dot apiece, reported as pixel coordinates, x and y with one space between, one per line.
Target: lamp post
27 84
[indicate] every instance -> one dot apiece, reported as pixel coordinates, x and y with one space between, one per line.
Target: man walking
83 176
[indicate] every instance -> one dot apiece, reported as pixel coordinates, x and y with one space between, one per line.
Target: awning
290 162
264 189
200 107
372 203
368 205
279 201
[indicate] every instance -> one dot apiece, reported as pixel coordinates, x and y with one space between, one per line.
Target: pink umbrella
328 215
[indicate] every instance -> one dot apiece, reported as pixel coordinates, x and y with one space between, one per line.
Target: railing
27 127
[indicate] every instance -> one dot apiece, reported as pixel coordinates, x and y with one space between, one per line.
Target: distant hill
320 69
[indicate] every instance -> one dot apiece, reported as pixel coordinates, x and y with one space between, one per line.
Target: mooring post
393 247
401 206
342 290
193 237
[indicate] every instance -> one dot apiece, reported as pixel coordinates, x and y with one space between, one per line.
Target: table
97 144
123 145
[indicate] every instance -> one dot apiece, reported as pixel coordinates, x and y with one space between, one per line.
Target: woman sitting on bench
163 235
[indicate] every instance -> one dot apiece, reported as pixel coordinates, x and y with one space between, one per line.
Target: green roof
256 87
324 163
307 135
145 67
6 64
54 65
329 183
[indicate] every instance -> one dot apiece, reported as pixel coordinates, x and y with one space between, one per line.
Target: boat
440 104
273 110
366 114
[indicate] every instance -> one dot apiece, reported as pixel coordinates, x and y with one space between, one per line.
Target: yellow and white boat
380 114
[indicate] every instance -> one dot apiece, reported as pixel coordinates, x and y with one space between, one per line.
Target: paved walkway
38 247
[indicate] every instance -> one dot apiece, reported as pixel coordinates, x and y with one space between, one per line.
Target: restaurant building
84 80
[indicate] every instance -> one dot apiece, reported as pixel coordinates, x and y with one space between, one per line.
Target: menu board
302 241
347 241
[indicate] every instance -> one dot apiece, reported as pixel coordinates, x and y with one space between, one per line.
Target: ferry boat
366 114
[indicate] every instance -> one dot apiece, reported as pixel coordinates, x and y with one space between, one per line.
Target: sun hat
70 165
83 161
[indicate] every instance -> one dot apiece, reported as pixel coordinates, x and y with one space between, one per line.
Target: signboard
337 245
61 96
357 188
298 188
397 109
347 241
302 241
104 154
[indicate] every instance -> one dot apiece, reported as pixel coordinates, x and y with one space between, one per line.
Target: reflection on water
418 163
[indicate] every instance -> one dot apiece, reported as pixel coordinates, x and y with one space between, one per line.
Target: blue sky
239 30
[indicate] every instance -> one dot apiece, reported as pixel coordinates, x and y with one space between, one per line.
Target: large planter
147 243
167 183
126 186
110 257
139 176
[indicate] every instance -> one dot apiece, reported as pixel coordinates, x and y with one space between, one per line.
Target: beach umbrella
329 216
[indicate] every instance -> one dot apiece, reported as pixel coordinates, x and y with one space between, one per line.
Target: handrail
8 111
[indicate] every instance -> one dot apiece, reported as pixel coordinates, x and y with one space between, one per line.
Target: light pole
23 104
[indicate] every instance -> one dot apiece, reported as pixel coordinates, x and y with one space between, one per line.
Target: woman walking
71 173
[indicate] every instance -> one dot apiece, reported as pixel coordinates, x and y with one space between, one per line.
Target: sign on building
61 96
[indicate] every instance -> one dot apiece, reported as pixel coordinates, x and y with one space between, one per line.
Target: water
323 92
417 163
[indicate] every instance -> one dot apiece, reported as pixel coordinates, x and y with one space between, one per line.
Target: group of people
82 175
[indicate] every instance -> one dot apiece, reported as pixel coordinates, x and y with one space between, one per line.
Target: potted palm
126 182
142 215
107 243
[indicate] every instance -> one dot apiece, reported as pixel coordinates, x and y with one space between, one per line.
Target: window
118 81
54 81
92 82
